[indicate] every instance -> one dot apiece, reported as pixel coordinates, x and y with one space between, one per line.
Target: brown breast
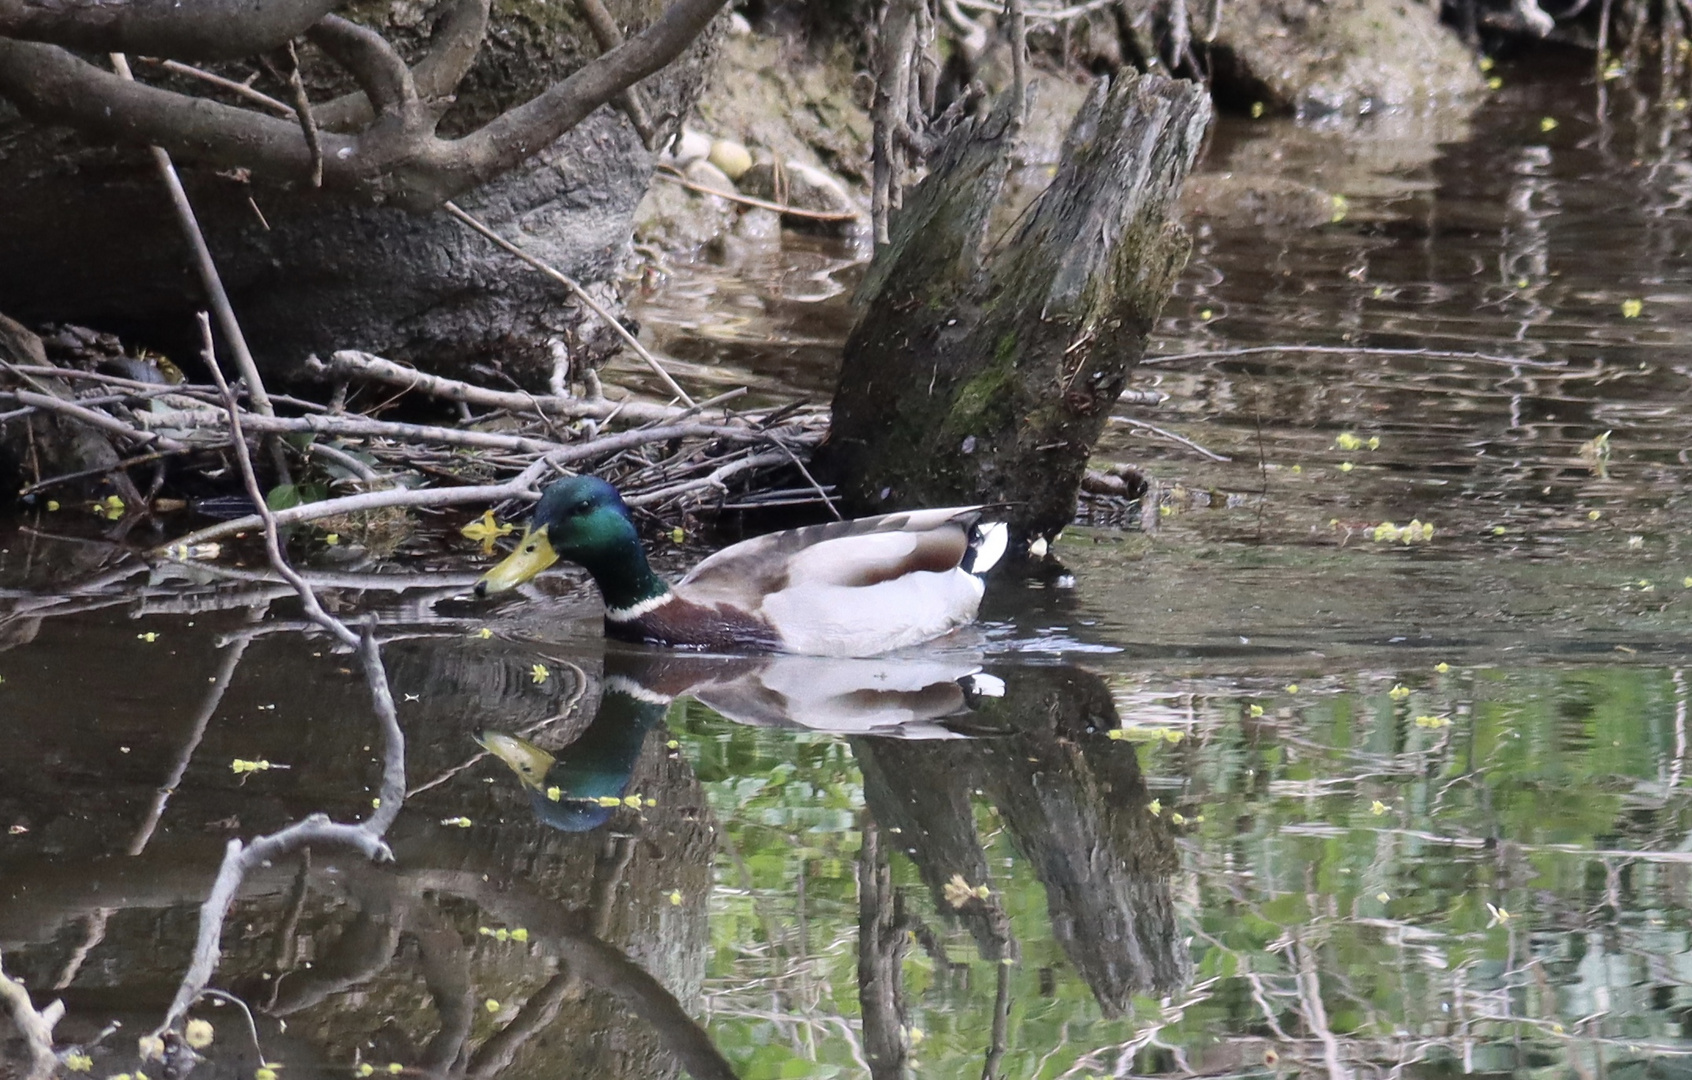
683 624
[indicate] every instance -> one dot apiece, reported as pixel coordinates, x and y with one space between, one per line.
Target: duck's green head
584 520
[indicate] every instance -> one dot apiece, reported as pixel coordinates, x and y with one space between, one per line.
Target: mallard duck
847 588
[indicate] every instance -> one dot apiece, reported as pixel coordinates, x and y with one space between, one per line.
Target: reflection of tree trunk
1074 801
932 822
881 951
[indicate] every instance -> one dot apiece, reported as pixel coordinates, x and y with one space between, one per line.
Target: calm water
1249 788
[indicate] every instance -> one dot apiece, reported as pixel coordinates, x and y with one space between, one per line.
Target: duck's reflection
934 737
612 897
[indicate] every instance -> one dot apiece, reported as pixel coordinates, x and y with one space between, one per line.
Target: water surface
1246 784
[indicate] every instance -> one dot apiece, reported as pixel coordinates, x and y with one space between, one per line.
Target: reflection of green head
582 786
584 520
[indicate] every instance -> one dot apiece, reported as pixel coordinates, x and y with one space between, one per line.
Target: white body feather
845 590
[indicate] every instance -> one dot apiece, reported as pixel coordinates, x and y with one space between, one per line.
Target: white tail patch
987 546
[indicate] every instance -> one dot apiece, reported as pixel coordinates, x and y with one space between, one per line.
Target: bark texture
988 379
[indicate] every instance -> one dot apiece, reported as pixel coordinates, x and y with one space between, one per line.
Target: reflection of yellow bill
526 759
532 556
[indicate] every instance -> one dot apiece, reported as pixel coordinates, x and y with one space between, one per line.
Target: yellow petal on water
677 535
1117 733
1374 442
367 1069
1399 692
53 505
149 637
1442 667
609 800
264 1072
1485 65
198 1034
1255 711
539 673
458 822
491 1005
632 800
485 531
520 934
1206 314
1377 808
1347 441
332 539
1177 817
78 1062
1495 83
675 897
1346 466
395 1067
1155 807
1594 515
1292 688
1631 308
555 793
1548 123
917 1035
1499 915
150 1048
958 891
1256 110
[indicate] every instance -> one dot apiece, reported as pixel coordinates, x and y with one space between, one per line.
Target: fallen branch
523 486
762 204
351 364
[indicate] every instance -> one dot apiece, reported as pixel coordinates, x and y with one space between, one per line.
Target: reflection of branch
214 697
881 950
35 1027
365 838
446 973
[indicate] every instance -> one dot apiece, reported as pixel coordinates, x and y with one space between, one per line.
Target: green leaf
283 497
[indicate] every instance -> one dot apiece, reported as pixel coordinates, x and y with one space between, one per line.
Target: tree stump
978 376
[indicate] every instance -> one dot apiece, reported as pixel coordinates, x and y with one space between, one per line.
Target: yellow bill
527 760
533 555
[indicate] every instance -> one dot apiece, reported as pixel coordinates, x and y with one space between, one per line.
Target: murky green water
1259 794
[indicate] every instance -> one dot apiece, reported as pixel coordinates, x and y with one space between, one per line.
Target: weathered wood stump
976 376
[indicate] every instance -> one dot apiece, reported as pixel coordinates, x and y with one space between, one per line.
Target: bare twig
317 829
762 204
606 32
350 364
1354 350
1164 433
210 280
580 294
302 109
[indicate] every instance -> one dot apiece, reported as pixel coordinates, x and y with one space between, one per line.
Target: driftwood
988 379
